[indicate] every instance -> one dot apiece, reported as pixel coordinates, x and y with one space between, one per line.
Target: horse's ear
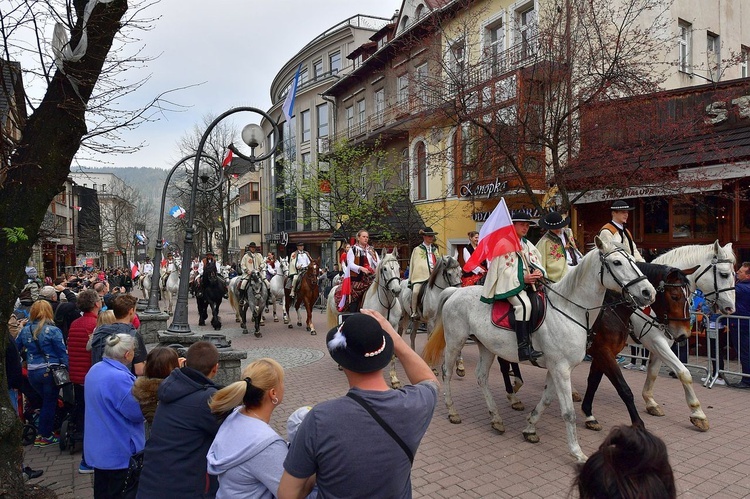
599 243
717 247
690 271
383 253
395 251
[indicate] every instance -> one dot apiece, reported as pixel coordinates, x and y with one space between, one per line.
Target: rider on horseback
298 262
508 277
251 262
148 269
423 260
168 268
362 261
205 262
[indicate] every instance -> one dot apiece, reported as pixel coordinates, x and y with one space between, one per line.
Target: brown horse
672 317
307 294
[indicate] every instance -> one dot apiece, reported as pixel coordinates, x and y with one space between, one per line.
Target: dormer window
419 12
404 22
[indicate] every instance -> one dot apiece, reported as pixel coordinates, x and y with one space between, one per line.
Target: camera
343 317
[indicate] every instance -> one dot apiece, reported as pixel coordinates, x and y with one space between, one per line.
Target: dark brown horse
307 294
671 317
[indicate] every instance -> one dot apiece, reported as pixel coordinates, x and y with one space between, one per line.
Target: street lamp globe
252 135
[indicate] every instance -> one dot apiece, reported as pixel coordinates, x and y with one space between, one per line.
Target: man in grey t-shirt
341 442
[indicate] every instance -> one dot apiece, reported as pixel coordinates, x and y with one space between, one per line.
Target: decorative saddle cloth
359 288
503 317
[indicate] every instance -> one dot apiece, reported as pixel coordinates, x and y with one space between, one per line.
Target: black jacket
13 370
181 434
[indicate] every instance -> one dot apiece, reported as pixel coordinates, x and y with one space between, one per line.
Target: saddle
503 317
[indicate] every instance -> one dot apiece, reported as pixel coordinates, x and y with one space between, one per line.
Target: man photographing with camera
369 436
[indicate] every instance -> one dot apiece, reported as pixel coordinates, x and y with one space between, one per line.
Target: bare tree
121 214
75 105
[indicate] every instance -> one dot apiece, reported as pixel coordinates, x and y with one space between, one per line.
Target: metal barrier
737 335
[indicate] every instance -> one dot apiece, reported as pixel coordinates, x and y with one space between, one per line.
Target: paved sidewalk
471 459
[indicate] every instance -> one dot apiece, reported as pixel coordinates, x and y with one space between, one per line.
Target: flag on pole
228 159
177 211
77 208
346 288
496 237
133 270
288 106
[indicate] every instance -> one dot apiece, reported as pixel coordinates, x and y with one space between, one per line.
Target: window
104 187
712 56
419 12
94 187
457 61
334 61
527 30
361 115
404 170
250 224
317 69
350 119
61 225
304 118
303 77
743 61
402 90
420 76
684 55
321 112
379 105
495 47
254 191
244 193
421 171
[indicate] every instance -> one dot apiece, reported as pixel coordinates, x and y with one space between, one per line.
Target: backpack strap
382 423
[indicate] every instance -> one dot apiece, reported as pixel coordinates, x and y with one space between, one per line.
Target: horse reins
385 287
713 265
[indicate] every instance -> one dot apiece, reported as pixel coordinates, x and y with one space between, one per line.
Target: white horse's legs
486 358
452 350
660 351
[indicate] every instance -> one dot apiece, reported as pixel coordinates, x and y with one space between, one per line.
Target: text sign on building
488 189
718 112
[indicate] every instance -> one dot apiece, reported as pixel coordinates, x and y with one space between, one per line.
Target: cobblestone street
473 460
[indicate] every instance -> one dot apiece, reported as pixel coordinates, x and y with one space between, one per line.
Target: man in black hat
557 246
617 231
298 261
363 444
252 261
508 277
423 260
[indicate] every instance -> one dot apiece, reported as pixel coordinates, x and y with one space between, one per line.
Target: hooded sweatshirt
181 433
248 456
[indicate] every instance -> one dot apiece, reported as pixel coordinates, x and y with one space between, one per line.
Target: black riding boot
525 351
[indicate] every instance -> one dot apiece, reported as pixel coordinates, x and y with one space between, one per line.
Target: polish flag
496 237
228 159
133 270
346 288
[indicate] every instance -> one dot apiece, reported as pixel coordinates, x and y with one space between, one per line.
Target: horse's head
256 284
716 279
389 273
452 271
284 262
619 273
672 306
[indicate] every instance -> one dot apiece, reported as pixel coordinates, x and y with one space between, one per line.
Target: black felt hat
521 216
427 231
621 205
360 345
300 243
553 220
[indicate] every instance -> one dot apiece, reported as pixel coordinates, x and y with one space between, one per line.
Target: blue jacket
50 338
114 421
742 305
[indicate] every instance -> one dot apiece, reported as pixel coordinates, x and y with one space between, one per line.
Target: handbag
135 465
59 372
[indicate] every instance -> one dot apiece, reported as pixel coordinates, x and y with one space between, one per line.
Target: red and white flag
228 159
346 287
133 270
496 237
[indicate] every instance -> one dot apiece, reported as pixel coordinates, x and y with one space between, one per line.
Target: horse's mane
655 272
690 252
568 284
443 262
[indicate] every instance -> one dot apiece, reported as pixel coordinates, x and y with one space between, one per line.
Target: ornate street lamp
253 139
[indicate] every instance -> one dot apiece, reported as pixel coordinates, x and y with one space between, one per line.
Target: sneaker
29 474
587 358
719 381
85 469
631 367
45 441
643 368
622 360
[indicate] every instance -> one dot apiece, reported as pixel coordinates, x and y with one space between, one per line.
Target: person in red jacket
81 329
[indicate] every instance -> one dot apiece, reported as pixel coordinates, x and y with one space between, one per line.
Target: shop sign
487 189
278 238
718 112
480 216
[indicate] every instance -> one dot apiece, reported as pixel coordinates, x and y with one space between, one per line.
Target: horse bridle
605 264
657 321
387 289
715 261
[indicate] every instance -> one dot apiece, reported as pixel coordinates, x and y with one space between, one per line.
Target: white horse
562 336
276 285
173 283
146 286
715 277
382 295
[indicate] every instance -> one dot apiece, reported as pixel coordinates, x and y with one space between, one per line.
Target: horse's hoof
701 424
517 385
396 384
531 438
594 425
455 419
299 324
258 334
290 326
655 410
313 332
286 320
576 397
435 372
518 406
201 323
245 331
460 372
276 319
237 320
498 427
307 328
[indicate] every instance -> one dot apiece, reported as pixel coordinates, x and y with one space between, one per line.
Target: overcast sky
234 48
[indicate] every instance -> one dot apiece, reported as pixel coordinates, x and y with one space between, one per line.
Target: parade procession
426 205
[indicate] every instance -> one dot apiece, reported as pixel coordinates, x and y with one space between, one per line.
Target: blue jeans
13 393
741 345
41 381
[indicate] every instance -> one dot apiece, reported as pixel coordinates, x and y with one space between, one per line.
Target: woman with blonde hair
247 454
44 346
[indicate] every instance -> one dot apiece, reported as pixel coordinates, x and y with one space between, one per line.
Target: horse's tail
232 297
331 314
433 350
